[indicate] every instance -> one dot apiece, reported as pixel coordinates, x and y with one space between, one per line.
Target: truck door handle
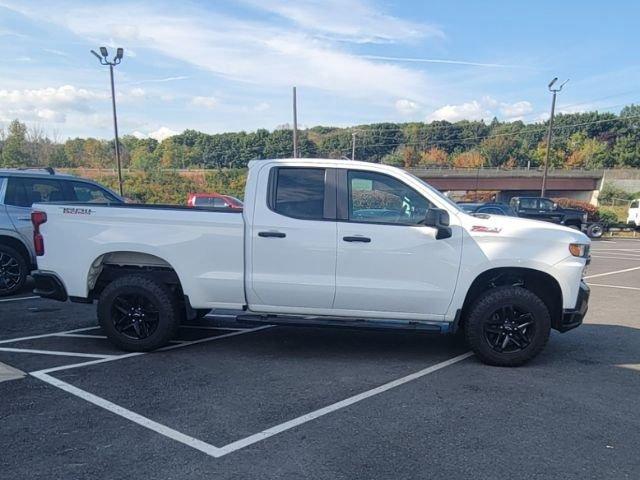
272 234
357 239
24 219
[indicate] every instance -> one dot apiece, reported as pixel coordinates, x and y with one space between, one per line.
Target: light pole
295 124
353 146
554 91
116 60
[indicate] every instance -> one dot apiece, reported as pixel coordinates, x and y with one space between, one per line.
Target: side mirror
438 218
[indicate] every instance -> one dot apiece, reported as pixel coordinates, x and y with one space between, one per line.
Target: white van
634 212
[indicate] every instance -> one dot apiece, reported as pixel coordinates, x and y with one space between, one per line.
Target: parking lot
234 401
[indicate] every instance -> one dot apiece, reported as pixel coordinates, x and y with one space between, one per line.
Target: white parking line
612 273
16 299
613 257
612 286
217 452
207 327
45 335
53 352
78 335
131 416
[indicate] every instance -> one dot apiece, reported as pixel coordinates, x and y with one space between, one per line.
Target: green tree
15 148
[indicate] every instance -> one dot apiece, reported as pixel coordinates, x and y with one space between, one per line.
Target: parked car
545 209
301 254
213 200
19 189
539 208
633 216
488 208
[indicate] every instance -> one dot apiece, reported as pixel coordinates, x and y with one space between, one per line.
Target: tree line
581 140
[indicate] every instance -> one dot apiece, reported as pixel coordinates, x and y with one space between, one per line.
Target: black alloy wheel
13 271
135 316
510 329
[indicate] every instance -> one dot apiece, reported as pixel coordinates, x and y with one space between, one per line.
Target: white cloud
205 102
261 107
406 107
137 92
516 110
159 134
466 111
257 52
484 109
162 133
50 104
352 20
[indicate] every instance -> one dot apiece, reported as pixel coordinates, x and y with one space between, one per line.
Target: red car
213 200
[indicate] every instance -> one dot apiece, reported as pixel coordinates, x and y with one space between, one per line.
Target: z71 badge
76 211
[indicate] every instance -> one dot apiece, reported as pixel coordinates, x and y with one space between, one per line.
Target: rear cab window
298 192
90 193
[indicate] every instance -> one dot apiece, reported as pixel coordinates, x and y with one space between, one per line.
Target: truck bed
205 246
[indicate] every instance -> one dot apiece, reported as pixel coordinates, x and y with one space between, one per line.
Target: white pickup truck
319 242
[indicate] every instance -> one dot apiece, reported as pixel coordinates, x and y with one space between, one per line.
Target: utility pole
554 91
353 145
116 60
295 125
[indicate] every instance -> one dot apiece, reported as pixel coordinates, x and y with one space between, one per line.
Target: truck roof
32 172
326 161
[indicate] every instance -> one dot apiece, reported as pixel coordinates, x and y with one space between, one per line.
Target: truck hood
516 227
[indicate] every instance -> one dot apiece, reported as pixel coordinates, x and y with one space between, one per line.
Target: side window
219 202
89 193
528 203
546 205
16 194
379 198
299 193
634 204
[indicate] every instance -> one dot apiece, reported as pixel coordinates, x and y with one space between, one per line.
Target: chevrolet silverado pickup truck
318 243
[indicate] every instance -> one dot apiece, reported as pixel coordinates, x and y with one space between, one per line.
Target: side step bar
369 324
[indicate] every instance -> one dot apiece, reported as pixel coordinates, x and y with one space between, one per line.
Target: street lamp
102 57
554 91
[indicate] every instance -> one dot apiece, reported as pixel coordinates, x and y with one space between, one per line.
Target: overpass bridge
578 184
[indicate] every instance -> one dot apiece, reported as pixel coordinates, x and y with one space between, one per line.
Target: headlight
579 249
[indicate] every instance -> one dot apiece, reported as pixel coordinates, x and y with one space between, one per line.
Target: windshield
439 194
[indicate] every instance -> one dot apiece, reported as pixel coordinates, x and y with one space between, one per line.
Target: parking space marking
53 352
131 416
78 335
218 452
45 335
612 257
612 273
613 286
245 442
18 298
207 327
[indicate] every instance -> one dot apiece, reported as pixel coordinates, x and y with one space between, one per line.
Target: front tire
13 270
138 313
508 326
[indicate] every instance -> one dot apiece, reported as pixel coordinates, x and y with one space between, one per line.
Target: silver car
19 189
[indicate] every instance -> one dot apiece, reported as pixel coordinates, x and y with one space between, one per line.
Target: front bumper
48 285
572 317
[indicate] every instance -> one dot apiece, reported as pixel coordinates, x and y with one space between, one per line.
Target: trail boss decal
480 228
76 211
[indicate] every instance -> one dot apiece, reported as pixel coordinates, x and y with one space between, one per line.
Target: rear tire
13 270
507 326
595 231
138 313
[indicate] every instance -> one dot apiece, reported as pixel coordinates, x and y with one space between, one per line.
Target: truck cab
540 208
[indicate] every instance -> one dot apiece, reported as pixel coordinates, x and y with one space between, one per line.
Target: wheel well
542 284
18 246
110 266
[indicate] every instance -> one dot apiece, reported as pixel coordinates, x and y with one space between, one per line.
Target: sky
222 66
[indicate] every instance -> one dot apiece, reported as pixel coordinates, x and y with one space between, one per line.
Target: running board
370 324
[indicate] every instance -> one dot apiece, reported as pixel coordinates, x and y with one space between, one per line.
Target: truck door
529 208
389 264
292 247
